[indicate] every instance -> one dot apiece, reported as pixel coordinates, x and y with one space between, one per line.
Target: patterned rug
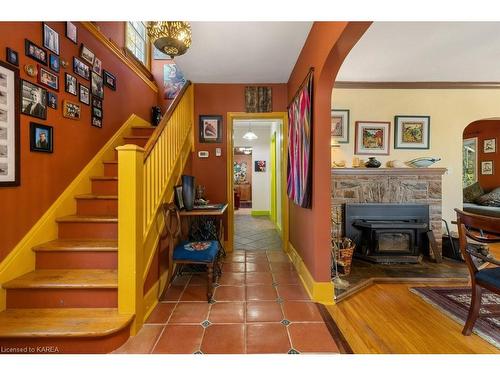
455 303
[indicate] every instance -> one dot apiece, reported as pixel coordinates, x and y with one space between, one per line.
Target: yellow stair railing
146 178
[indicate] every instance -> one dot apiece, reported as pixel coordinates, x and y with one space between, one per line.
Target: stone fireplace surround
391 185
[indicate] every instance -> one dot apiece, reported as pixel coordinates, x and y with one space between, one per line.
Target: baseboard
322 292
260 213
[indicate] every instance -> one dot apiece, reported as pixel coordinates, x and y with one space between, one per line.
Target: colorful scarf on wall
299 174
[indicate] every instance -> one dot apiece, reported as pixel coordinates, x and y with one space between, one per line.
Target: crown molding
416 85
120 54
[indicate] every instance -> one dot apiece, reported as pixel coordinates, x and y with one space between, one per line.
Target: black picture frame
97 86
210 132
109 80
78 65
70 28
97 112
36 143
51 100
43 71
11 56
54 63
86 54
69 79
26 103
424 132
96 102
179 202
53 44
31 49
81 90
13 126
96 122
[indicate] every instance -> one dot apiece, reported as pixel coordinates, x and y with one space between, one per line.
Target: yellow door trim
231 116
273 179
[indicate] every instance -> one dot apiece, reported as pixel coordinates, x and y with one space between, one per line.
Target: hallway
254 232
260 307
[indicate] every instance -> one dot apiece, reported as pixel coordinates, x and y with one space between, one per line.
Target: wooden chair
483 230
178 254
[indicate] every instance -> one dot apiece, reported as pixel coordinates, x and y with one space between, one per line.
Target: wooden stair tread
110 162
95 196
63 322
63 278
143 127
78 245
137 137
87 219
104 178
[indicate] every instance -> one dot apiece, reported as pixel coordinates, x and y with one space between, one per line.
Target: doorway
257 212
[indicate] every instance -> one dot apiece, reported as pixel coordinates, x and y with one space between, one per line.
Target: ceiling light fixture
170 37
250 135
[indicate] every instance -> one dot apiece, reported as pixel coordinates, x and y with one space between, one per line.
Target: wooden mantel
388 171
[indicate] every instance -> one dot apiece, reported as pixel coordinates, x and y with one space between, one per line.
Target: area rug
455 303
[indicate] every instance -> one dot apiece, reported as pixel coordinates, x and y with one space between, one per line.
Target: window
469 161
137 41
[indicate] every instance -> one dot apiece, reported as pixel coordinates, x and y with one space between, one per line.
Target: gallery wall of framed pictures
56 78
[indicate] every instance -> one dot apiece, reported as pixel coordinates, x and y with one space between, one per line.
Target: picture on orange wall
33 100
70 84
86 54
210 129
412 132
71 110
372 138
97 86
51 100
48 79
84 94
71 32
487 167
35 52
490 145
80 68
50 39
41 138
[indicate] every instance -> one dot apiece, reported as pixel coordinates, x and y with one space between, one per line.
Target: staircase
68 304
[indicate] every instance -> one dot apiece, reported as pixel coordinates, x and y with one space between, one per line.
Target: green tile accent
261 213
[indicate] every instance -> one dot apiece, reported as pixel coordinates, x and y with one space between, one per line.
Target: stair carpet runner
69 303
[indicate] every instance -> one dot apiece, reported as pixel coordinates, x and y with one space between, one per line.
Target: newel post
130 232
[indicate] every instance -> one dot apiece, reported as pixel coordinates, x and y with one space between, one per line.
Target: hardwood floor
388 318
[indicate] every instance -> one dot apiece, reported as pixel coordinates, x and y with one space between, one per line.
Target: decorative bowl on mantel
422 162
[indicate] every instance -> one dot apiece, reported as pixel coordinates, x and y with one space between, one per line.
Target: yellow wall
450 111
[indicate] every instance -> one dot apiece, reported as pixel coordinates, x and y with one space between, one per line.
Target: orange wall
486 129
326 47
45 176
218 99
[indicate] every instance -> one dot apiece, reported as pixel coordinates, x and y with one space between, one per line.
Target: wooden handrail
164 121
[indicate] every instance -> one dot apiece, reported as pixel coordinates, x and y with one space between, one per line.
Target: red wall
486 129
45 176
219 99
325 49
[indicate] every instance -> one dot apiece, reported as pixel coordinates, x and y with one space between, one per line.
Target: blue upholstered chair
181 252
484 230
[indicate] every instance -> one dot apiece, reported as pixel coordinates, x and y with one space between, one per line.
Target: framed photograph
12 56
48 79
210 129
260 166
70 84
87 54
97 122
71 110
179 202
84 94
50 39
487 167
35 52
71 32
80 68
97 86
9 126
340 125
41 138
33 100
96 102
54 63
412 132
51 100
96 112
97 67
490 145
109 80
372 138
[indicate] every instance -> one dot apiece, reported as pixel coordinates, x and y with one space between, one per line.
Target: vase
372 163
188 191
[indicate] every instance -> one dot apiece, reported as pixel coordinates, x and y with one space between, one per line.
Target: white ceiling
425 51
243 52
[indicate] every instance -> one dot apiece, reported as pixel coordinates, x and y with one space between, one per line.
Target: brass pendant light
170 37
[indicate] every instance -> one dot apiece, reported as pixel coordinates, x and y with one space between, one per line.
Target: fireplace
388 233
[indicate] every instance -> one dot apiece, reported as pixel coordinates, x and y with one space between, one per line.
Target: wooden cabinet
245 191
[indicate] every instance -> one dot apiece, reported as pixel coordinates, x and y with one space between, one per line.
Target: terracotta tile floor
253 312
